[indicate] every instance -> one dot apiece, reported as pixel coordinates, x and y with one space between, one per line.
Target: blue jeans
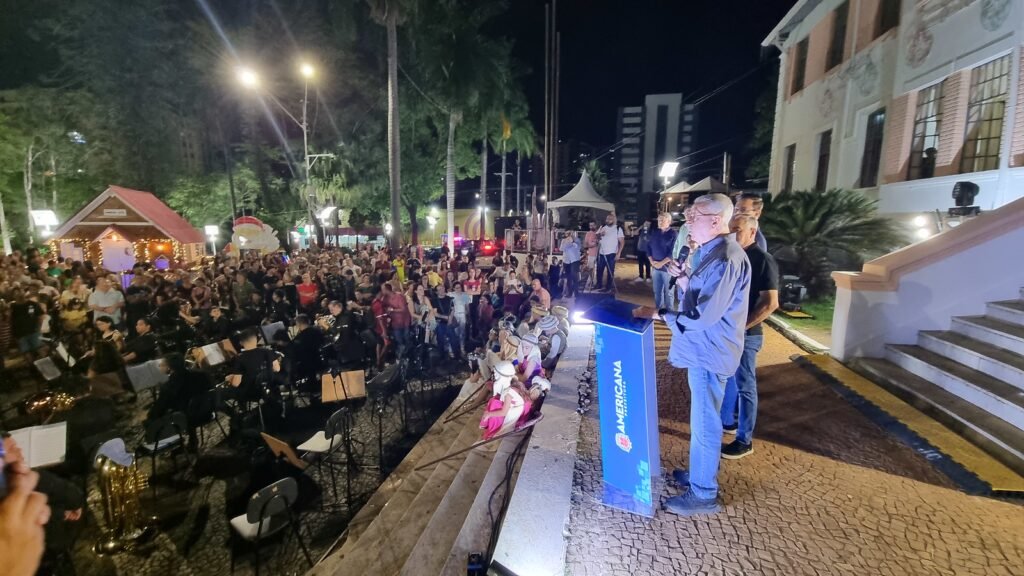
742 389
706 391
662 292
605 261
446 333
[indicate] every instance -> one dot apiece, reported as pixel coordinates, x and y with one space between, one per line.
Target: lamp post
212 231
248 78
667 173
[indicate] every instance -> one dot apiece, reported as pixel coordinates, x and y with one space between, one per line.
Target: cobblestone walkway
826 492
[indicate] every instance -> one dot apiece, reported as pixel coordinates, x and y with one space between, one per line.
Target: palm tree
813 231
598 179
391 13
458 60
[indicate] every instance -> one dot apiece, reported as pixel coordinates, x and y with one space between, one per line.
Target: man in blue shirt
659 249
707 340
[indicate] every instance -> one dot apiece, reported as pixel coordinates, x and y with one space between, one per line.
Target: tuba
120 483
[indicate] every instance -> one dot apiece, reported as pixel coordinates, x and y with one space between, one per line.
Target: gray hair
716 204
745 221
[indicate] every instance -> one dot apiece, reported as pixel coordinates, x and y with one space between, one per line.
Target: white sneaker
637 279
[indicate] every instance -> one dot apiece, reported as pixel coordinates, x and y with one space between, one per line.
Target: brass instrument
325 321
47 403
120 484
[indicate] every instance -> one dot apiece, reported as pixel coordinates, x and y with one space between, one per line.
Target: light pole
212 231
667 173
251 80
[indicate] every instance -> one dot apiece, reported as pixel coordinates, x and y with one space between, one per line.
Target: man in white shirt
611 239
106 301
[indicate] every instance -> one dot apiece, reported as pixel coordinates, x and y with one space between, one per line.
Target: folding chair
202 410
268 513
323 444
164 434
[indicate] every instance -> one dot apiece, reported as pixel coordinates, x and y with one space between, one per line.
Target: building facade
663 129
900 99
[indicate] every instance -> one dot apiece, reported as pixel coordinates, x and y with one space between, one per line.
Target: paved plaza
826 491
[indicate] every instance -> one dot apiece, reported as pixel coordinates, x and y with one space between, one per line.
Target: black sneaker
731 430
689 505
682 477
737 450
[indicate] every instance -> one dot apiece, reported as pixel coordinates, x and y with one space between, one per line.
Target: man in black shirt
26 323
304 349
142 348
741 388
217 327
254 368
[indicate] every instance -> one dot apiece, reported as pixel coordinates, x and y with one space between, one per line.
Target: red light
487 246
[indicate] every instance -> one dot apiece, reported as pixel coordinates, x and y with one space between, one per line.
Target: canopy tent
677 188
582 195
709 184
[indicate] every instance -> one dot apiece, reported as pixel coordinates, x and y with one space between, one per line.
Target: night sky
616 51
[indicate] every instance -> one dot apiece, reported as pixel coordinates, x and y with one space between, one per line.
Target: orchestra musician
304 350
254 377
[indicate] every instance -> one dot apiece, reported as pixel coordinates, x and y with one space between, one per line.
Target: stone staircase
428 521
970 377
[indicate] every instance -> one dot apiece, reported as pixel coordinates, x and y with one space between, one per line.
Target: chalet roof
146 205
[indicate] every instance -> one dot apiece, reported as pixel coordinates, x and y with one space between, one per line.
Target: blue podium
628 399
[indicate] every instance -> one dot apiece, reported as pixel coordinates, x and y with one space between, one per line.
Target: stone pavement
825 492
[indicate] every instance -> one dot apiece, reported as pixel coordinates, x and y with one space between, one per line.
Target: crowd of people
286 318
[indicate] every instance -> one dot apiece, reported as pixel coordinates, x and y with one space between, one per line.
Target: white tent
582 195
677 188
709 184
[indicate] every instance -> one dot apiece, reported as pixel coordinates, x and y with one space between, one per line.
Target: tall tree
455 57
390 13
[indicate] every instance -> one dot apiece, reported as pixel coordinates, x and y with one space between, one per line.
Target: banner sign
628 400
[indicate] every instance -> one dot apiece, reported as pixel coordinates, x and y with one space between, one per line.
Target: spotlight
793 293
923 233
920 221
963 196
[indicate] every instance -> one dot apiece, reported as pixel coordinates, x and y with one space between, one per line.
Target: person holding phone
611 239
23 514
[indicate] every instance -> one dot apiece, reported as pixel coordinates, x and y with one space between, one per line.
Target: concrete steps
392 499
970 377
991 394
999 333
427 521
475 532
404 534
997 437
992 360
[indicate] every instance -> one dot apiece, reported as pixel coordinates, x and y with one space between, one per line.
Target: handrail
883 273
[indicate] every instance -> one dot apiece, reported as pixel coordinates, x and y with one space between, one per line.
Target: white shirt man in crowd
105 301
610 243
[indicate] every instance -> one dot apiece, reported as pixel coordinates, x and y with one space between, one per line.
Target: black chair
202 411
325 443
165 434
268 513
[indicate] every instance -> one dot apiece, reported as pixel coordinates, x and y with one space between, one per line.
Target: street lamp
248 77
212 231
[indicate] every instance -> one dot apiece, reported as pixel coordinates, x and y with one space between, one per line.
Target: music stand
146 376
48 369
269 330
283 451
